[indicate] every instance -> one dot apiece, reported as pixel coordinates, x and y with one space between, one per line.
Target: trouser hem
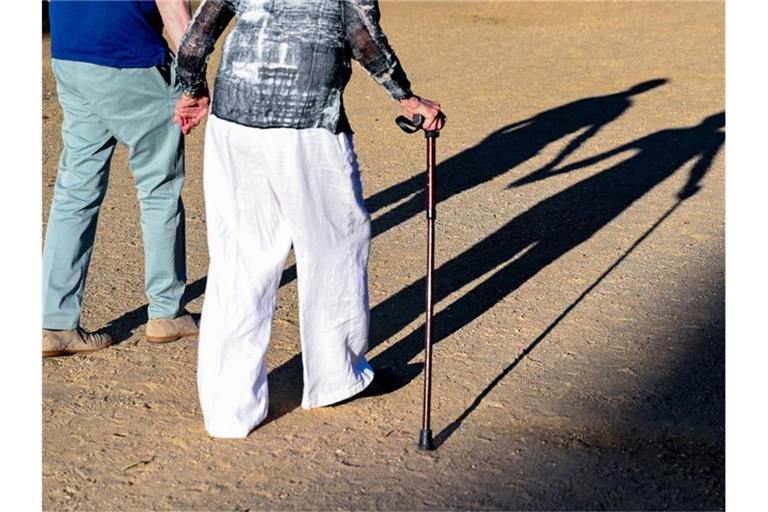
227 434
325 399
230 432
180 312
56 326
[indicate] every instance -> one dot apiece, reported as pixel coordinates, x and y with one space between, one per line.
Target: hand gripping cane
408 126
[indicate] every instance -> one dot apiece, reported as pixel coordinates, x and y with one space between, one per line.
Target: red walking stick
408 126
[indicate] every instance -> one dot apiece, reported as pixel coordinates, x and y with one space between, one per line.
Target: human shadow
595 112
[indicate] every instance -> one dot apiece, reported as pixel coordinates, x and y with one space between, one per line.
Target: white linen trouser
265 190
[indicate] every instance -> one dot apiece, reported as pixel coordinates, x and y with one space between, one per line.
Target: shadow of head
645 86
714 122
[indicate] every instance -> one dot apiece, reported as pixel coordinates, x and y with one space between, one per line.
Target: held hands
427 108
190 111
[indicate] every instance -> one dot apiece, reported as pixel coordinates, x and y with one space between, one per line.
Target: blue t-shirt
115 33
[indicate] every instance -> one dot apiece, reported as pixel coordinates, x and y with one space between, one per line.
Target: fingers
192 107
200 115
189 113
183 124
440 121
435 121
436 125
189 125
186 126
186 123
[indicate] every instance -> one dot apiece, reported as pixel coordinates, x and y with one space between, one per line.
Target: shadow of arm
546 171
595 159
698 171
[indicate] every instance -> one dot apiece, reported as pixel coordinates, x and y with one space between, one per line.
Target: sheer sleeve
198 41
370 47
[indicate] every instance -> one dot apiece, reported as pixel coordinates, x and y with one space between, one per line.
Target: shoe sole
56 353
168 339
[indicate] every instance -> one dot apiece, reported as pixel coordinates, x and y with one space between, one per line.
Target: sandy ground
580 314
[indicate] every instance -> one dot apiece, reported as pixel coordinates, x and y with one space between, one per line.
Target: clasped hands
190 111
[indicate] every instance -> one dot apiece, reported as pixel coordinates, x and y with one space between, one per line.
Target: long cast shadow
497 154
533 240
443 435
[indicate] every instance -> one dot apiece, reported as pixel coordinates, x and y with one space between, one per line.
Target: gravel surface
580 314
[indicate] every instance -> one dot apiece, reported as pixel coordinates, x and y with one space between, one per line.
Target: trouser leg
331 231
263 190
248 243
143 121
80 187
159 177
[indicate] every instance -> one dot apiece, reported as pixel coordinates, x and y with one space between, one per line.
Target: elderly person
281 172
113 71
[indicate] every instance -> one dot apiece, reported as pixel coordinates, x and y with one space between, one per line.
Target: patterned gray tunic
286 62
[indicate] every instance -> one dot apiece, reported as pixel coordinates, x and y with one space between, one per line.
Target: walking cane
408 126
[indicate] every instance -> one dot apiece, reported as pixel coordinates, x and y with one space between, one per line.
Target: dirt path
580 316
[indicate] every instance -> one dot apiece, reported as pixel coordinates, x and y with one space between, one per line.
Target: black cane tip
425 441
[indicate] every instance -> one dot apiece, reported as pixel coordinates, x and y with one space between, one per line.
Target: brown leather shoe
73 341
164 330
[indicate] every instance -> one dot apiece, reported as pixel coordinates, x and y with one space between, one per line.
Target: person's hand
427 108
190 111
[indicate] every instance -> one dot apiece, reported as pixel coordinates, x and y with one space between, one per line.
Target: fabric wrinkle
286 63
286 188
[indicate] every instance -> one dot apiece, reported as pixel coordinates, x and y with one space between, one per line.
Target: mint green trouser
103 106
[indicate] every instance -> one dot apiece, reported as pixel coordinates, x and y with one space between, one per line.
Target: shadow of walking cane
710 138
450 429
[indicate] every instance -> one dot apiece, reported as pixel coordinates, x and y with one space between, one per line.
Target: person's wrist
410 102
194 95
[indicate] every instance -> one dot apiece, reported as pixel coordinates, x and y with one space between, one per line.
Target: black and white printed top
286 62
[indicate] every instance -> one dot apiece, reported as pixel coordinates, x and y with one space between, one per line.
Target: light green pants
103 106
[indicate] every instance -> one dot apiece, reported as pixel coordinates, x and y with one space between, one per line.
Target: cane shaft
430 190
431 214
